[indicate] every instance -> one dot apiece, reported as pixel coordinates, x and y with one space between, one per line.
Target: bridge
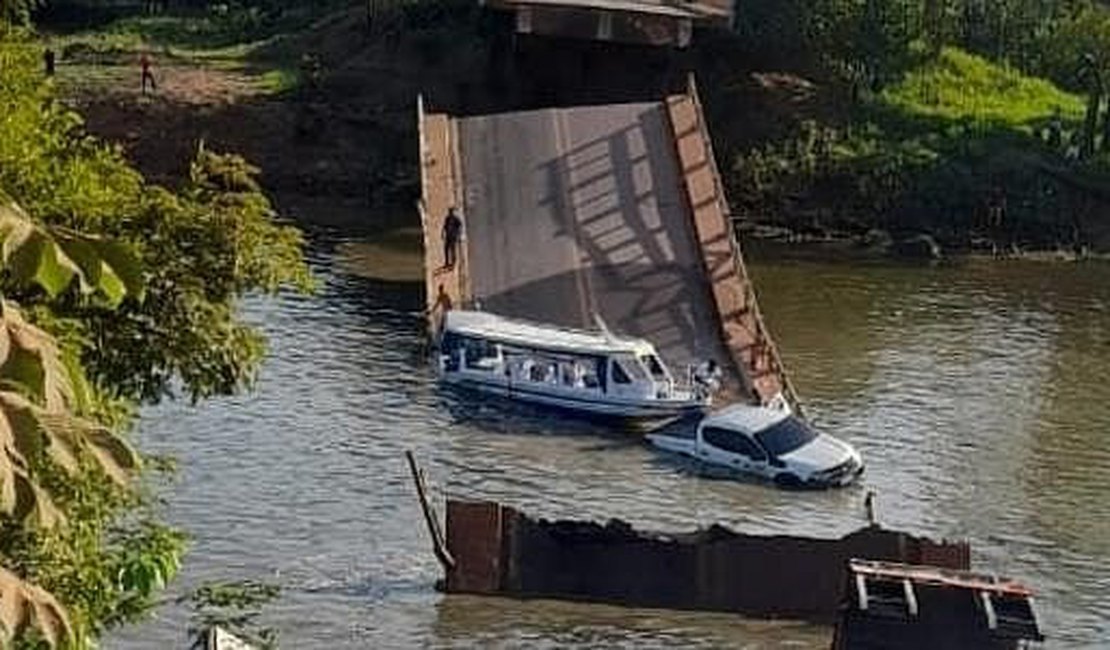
615 210
646 22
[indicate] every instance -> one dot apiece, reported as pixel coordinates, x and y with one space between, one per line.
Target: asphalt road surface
577 211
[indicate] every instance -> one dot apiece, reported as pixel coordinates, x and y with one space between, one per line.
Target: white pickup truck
768 442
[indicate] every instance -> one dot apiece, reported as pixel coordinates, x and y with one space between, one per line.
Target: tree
112 290
41 439
17 12
1091 74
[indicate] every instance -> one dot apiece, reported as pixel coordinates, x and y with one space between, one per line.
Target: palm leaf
24 607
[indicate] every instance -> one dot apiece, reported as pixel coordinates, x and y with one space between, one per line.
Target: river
977 392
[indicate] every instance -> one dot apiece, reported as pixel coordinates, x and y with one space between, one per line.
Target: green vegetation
188 26
236 607
982 124
959 87
115 293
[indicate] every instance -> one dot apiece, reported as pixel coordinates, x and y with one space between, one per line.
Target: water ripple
977 395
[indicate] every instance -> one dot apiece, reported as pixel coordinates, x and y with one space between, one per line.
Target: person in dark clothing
48 61
452 233
147 75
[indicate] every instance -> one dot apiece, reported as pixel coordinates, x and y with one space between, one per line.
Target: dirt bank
337 144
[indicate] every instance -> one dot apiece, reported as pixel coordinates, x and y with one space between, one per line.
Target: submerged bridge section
613 210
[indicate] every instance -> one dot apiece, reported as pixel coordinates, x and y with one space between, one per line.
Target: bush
962 87
925 155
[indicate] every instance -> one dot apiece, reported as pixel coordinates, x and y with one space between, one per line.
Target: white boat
592 372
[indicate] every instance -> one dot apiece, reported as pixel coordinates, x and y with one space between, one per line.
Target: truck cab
771 443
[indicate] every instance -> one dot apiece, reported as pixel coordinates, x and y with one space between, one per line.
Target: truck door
734 449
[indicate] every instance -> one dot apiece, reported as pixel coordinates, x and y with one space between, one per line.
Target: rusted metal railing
764 341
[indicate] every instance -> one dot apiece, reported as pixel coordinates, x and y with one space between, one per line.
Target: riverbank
326 111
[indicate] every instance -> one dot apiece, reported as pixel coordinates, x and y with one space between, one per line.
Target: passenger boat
593 372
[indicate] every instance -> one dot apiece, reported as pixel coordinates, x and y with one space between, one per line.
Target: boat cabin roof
536 336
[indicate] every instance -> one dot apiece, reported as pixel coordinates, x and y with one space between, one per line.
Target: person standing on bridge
452 234
707 378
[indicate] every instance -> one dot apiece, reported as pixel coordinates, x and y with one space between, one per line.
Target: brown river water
978 393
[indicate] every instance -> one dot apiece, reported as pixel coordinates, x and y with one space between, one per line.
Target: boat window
632 368
568 372
580 374
654 366
535 371
733 441
619 375
480 354
548 373
786 436
449 346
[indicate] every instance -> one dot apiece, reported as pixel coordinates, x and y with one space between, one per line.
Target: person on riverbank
147 75
452 234
49 61
996 218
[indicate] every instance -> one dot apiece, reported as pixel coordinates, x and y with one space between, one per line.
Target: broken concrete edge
500 551
615 529
712 11
910 607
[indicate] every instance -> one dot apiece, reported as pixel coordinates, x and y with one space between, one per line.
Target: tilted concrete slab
576 212
614 210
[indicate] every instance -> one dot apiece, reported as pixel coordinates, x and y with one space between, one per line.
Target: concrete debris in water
901 607
499 551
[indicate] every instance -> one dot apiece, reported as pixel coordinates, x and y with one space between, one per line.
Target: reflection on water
387 257
976 393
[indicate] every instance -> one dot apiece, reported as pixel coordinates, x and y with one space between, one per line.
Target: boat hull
608 407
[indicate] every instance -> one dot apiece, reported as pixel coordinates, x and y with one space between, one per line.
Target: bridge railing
764 341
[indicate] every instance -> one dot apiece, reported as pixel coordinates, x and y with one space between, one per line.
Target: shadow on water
501 414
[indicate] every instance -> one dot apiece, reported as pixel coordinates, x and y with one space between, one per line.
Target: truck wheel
787 480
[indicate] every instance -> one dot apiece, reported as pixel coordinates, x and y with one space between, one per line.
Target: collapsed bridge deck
614 210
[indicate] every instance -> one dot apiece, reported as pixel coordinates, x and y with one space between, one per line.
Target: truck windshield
786 436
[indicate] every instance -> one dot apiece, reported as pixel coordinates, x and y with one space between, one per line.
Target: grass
962 87
198 31
278 81
223 38
926 154
243 42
